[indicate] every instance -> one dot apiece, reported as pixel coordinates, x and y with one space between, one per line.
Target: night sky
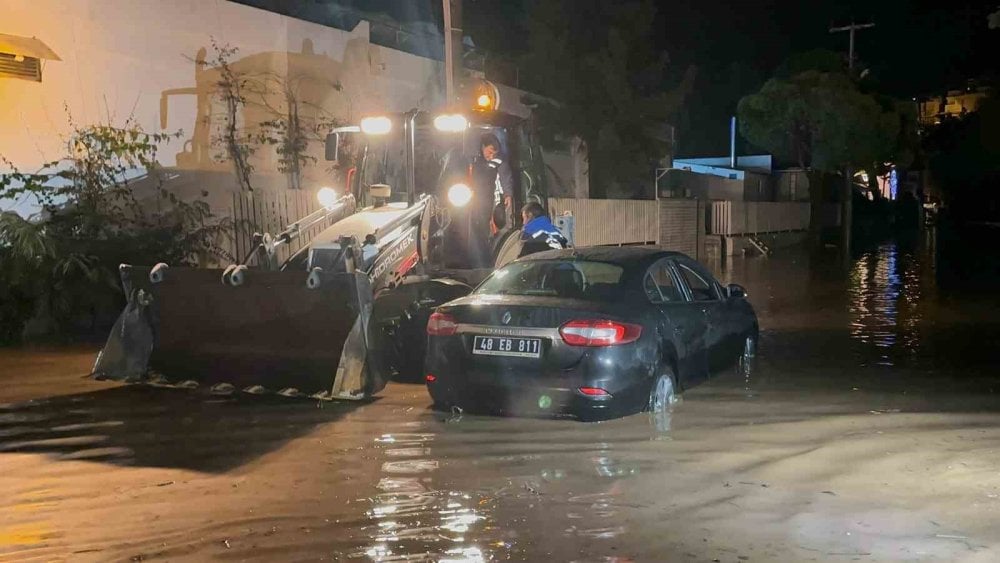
918 47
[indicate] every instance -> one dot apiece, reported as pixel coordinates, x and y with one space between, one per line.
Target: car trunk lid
517 318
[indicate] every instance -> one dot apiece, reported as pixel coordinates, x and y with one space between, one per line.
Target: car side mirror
737 290
332 147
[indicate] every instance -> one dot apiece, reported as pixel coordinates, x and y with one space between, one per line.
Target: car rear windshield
593 281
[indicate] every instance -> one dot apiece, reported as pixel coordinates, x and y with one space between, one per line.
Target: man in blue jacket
539 233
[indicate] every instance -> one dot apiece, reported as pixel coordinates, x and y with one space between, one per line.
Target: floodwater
869 431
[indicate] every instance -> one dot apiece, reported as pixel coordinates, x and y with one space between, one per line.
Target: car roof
628 257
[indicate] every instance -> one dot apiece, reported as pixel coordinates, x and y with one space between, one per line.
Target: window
594 281
659 285
701 289
652 292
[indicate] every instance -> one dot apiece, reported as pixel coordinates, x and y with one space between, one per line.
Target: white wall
123 58
120 56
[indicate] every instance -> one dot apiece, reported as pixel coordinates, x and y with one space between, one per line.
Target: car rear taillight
430 378
441 324
594 392
599 332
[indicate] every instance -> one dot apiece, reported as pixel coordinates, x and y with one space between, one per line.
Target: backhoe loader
348 311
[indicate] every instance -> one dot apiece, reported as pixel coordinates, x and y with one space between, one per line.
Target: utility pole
452 47
851 29
846 204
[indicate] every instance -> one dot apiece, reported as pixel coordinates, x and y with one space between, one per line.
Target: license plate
504 346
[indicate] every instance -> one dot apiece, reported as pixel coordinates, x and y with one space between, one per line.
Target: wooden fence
270 211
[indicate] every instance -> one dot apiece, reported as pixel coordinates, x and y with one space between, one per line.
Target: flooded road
870 431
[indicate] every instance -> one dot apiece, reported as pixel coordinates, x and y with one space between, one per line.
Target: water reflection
414 520
886 288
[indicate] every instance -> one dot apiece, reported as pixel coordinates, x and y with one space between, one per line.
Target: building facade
163 65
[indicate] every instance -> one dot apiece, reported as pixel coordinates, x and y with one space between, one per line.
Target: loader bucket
273 330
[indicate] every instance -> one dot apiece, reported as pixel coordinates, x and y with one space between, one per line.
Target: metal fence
682 225
610 221
671 224
752 217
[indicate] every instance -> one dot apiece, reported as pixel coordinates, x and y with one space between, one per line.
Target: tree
901 145
102 204
963 155
611 87
234 142
821 121
296 123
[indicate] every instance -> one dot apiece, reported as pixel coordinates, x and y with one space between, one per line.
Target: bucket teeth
223 389
256 390
290 392
158 380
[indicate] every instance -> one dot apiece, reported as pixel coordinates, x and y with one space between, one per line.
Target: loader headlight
376 125
451 123
459 195
327 197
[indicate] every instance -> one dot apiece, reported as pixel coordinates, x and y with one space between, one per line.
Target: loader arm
266 246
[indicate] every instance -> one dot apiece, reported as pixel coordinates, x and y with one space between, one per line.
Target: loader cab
443 166
470 240
362 162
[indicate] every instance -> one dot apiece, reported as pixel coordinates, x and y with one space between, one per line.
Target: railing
753 217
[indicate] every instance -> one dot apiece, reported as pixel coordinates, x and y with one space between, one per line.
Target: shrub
101 205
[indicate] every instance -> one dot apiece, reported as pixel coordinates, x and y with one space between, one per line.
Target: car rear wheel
746 365
662 398
663 393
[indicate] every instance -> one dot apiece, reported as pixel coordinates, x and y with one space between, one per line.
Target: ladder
760 245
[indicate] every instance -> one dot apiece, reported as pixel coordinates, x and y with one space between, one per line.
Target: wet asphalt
870 430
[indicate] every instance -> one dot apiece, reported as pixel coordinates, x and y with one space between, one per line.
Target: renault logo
506 318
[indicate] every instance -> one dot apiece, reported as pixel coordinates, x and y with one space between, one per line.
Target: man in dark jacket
495 176
539 233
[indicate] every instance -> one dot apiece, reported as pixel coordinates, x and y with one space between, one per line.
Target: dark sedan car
591 333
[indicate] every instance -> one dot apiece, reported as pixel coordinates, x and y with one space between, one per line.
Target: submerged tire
747 362
662 395
662 398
